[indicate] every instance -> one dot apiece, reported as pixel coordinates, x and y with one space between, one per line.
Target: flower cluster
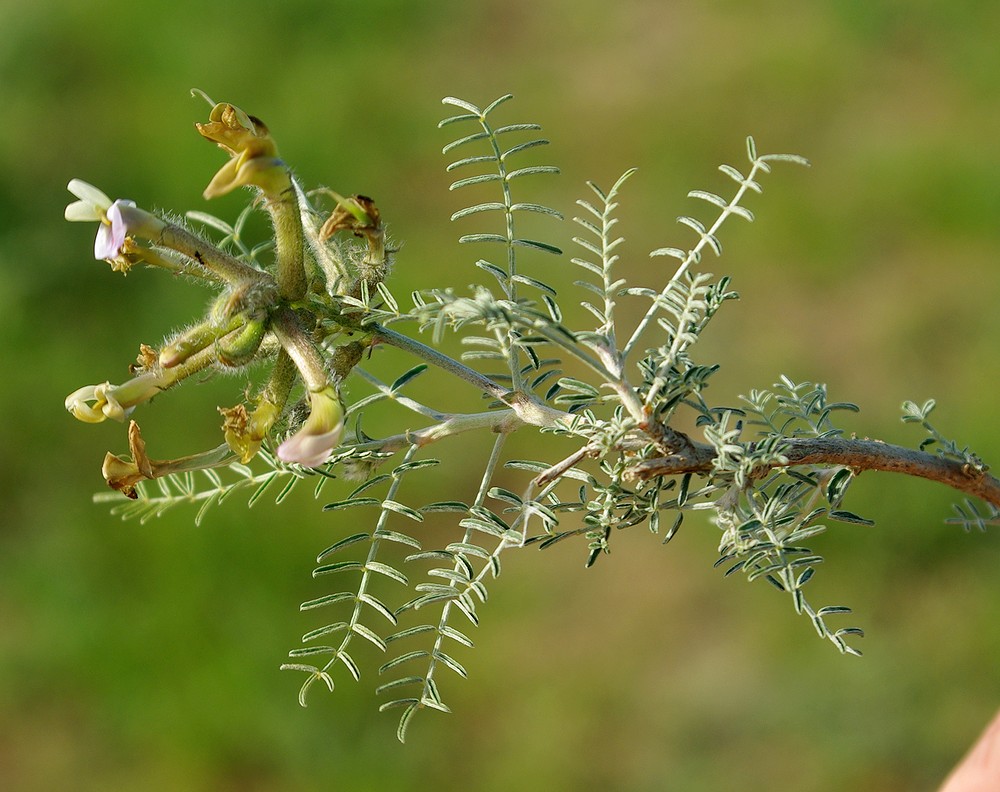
288 314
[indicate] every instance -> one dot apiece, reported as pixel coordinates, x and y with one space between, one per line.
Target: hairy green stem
499 421
289 243
280 382
307 358
402 401
326 266
527 408
573 349
218 263
153 257
431 355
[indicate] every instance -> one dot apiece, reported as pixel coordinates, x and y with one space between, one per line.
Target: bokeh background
146 656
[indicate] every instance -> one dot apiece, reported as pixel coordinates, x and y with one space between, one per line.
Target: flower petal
313 444
79 403
104 244
88 193
224 181
83 211
110 238
310 450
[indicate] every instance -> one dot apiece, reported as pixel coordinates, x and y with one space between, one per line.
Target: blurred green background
146 656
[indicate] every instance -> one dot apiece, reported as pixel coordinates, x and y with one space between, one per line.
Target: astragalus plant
298 316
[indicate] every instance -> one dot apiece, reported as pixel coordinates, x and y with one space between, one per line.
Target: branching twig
856 454
496 421
431 355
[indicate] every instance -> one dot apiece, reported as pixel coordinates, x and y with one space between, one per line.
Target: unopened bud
188 343
239 347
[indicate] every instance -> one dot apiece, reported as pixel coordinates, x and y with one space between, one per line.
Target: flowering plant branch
770 473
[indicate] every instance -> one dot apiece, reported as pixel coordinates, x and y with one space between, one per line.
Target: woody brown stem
858 455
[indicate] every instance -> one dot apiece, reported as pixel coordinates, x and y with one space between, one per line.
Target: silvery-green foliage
566 366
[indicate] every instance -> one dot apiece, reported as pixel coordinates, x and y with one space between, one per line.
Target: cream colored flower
313 444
